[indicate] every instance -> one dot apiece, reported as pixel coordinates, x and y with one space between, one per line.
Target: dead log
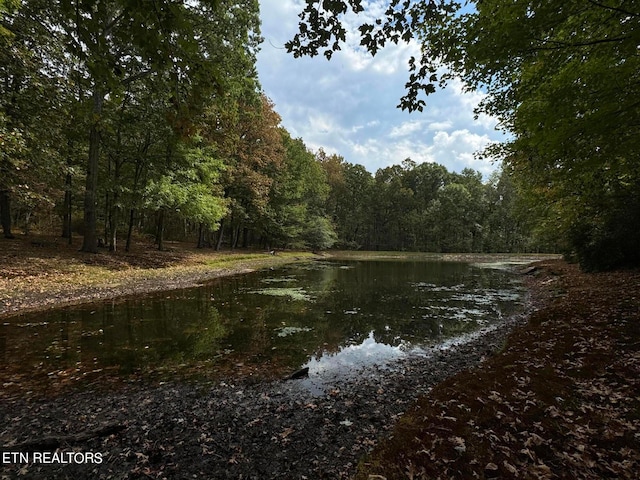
302 373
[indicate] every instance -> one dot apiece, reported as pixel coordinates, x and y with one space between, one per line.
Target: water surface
332 316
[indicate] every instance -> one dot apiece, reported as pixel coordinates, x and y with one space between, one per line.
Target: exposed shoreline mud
242 428
232 429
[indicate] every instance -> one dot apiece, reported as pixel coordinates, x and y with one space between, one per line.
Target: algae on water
278 280
286 331
295 293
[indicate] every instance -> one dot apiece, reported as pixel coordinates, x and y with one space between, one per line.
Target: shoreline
63 281
231 427
545 394
67 291
234 428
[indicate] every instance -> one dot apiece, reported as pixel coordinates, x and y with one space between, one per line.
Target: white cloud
322 123
348 105
405 128
457 150
443 125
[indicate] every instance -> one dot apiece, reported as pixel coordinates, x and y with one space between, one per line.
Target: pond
333 316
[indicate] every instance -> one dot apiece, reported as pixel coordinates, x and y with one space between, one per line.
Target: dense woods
121 118
562 78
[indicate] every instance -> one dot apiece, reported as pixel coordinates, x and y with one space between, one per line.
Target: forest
132 125
122 118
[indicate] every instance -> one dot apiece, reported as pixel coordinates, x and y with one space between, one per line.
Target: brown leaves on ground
40 272
562 400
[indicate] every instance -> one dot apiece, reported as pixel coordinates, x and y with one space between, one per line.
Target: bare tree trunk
130 230
5 213
90 241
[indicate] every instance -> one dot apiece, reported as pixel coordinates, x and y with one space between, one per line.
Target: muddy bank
231 429
34 301
559 401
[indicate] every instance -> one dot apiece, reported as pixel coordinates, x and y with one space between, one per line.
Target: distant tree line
562 77
423 207
120 118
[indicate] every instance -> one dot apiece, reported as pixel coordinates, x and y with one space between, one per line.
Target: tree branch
615 9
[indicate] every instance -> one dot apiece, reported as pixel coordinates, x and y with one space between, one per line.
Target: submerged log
302 373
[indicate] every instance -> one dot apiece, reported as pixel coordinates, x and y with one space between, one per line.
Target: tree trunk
235 235
201 235
114 211
160 230
130 230
90 243
67 207
5 213
113 227
220 235
245 238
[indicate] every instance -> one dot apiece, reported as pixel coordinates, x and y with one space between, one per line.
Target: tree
34 106
118 43
319 233
562 78
510 224
251 145
354 213
297 200
190 189
393 207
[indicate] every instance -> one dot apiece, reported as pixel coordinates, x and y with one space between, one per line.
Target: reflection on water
354 357
348 360
333 316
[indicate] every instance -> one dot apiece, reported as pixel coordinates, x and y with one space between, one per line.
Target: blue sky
348 105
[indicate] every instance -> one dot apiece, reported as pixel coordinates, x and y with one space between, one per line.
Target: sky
347 105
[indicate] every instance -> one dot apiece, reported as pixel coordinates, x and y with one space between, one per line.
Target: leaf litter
561 400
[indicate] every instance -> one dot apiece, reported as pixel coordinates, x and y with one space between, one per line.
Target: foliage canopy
562 78
119 117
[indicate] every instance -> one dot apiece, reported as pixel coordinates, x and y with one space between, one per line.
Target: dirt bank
231 429
38 273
